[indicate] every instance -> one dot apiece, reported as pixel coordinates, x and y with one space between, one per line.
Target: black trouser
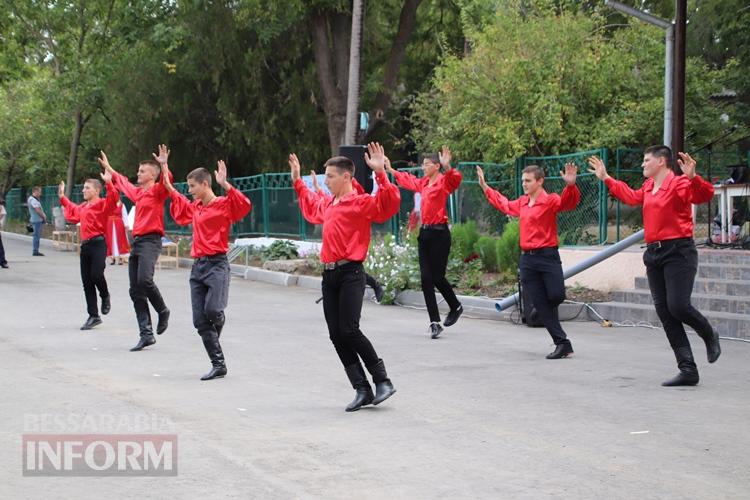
671 268
2 251
343 291
370 280
143 256
434 248
93 260
542 276
209 294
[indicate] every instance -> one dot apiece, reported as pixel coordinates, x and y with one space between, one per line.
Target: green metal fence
276 212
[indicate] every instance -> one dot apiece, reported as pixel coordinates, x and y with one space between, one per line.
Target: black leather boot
106 305
143 316
383 386
91 322
453 316
163 323
688 371
144 341
561 351
359 382
435 330
713 348
215 354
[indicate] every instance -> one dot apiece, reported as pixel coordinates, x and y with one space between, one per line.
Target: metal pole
678 95
583 265
668 78
355 56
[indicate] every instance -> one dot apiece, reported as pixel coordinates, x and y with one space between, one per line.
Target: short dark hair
200 175
342 163
660 151
433 157
536 170
94 182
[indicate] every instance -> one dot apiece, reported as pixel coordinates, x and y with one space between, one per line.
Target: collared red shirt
92 216
434 196
149 205
538 222
346 225
210 222
667 214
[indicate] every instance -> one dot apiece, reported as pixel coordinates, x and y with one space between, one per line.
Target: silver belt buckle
329 266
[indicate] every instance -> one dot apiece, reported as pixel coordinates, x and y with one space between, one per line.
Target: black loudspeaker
529 316
362 172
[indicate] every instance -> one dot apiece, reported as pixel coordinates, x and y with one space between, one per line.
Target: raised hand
317 188
106 176
687 164
294 167
61 189
165 177
104 162
388 167
569 175
598 168
445 158
375 157
480 178
163 155
221 175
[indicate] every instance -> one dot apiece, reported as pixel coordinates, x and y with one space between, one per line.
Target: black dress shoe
682 378
216 372
453 316
4 265
561 351
435 330
379 292
143 342
106 305
91 322
161 327
38 254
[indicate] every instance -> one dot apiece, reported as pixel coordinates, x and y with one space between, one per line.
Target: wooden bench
170 255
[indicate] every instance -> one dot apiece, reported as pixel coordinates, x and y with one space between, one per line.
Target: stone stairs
721 292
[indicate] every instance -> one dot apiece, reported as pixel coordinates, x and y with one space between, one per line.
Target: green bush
280 250
486 247
508 248
463 238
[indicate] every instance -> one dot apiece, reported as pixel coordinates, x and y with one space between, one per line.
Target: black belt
656 245
434 226
330 266
537 250
209 258
147 235
91 240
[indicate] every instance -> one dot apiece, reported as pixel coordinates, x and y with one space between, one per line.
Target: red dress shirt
668 214
149 205
539 222
434 196
92 216
210 222
346 225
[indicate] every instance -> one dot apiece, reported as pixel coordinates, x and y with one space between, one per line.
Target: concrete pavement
479 413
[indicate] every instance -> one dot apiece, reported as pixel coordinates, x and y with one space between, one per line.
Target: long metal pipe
583 265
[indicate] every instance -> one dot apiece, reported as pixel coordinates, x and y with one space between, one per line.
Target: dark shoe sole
89 327
163 323
136 348
204 378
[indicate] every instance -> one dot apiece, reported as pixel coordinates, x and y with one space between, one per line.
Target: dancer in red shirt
149 197
671 258
434 235
212 218
541 269
346 219
92 214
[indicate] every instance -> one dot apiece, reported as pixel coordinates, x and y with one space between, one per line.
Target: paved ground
478 414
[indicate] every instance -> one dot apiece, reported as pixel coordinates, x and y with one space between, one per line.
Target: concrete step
702 301
727 324
738 257
739 288
724 271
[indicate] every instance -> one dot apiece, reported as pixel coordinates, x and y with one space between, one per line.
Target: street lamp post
668 27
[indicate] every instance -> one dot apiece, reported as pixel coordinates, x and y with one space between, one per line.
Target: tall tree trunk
355 58
75 141
9 180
